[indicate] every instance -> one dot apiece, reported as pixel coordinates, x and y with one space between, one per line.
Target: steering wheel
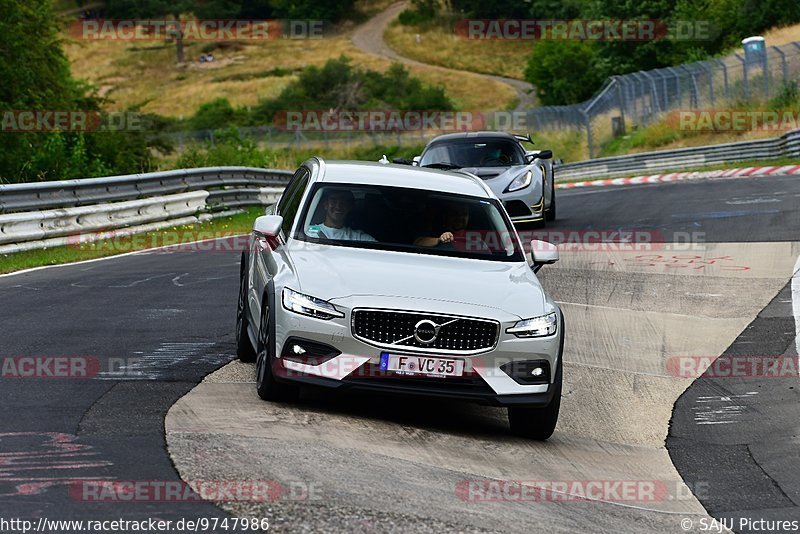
502 159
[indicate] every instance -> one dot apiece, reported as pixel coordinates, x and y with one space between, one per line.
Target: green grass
241 223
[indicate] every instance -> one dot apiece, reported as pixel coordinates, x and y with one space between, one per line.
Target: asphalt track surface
156 323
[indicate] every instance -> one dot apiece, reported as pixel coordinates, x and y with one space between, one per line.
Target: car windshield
472 153
408 220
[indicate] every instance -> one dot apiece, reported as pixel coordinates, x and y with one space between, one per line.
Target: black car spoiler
526 138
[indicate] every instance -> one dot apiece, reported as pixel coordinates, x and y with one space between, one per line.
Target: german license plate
421 365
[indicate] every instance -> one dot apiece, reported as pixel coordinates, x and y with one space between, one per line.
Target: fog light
528 372
308 352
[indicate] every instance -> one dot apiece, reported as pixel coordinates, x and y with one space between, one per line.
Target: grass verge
144 76
439 44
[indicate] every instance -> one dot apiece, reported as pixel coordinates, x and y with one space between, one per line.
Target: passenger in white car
456 220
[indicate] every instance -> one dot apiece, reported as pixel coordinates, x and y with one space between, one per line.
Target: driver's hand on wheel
446 237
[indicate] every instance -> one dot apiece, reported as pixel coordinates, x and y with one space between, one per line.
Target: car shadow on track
435 415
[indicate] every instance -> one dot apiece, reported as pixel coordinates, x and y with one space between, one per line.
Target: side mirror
415 161
542 253
268 225
402 161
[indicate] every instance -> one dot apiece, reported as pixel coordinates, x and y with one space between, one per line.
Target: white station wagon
401 280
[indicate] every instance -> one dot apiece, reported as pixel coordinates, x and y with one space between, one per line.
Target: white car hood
345 274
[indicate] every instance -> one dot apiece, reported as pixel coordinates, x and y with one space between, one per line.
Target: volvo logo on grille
426 331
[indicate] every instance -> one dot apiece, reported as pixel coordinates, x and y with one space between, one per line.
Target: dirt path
369 38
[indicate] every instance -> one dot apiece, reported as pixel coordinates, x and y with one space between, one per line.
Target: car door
266 261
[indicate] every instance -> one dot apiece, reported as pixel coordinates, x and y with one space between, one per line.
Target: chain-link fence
640 98
623 103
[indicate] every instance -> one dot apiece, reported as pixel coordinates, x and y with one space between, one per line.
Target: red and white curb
681 176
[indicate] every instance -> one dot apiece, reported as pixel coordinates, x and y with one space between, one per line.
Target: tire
244 348
538 423
550 213
268 388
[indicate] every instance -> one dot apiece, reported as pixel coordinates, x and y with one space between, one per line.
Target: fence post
693 91
744 75
654 104
620 101
710 73
678 92
724 74
664 88
784 70
589 134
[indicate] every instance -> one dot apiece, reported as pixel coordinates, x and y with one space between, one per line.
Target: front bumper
420 388
355 365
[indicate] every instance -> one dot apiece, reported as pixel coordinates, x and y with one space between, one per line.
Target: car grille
395 329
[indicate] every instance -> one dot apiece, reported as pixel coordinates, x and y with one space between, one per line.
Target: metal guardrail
45 214
787 145
237 185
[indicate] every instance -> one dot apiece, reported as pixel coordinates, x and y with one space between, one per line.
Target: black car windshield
408 220
474 153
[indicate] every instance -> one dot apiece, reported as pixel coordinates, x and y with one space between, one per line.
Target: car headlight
308 305
544 325
520 182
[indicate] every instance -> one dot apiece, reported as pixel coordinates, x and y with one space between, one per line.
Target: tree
563 71
312 9
172 10
37 78
35 72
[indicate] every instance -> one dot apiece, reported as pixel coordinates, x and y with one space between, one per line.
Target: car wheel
268 388
535 422
244 348
550 213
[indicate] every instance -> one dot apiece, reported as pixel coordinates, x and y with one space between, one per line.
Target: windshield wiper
442 165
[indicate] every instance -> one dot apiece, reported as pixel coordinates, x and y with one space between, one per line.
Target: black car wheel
268 388
244 348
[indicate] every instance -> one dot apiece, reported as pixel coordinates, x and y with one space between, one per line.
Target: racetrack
379 463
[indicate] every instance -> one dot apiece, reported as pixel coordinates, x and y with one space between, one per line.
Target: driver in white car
337 205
